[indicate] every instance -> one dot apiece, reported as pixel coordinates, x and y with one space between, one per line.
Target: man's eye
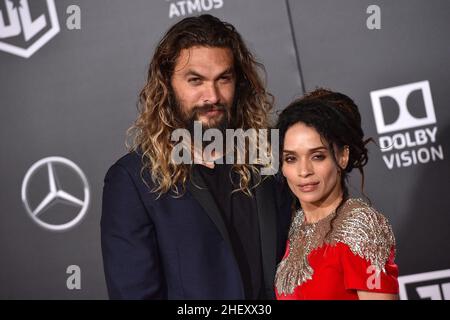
225 78
194 80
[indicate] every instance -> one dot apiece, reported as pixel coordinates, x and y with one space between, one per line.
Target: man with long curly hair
194 231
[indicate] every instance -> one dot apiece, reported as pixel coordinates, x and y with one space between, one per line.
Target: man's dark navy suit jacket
179 248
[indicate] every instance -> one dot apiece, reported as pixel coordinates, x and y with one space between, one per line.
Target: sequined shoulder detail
366 232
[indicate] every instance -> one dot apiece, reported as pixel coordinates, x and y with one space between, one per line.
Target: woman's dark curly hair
336 118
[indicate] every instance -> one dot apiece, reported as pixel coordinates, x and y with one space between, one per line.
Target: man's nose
211 94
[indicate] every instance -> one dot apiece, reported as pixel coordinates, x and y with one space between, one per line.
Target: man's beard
221 122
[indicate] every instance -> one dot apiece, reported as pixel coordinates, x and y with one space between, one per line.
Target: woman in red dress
338 247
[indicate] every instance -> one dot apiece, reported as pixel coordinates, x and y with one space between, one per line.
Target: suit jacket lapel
267 213
206 200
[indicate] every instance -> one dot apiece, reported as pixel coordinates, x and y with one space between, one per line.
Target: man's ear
344 156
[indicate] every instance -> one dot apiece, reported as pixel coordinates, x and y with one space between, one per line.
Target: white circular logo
56 193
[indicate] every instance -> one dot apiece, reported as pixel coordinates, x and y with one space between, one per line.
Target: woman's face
308 166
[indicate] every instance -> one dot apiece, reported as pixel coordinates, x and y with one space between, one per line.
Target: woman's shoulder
365 230
357 211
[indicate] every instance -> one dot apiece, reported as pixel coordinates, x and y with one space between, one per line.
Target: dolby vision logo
406 122
401 100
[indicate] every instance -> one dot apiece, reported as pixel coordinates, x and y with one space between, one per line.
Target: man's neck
209 161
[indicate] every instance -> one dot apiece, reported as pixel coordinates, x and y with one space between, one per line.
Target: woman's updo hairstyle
337 120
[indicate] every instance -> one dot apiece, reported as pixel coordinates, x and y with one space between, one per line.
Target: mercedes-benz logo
55 194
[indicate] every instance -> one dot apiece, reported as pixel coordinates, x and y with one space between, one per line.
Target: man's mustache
207 108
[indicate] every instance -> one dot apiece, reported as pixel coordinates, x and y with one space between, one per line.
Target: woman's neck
319 210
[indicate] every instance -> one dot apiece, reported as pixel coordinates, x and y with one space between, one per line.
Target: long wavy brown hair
150 134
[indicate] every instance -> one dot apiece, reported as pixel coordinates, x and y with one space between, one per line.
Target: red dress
326 263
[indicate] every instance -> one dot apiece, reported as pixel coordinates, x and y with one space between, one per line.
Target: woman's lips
308 187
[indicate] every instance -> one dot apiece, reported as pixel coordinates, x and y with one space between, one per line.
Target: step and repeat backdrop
70 73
